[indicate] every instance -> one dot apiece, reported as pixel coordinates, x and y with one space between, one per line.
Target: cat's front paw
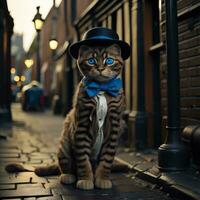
67 178
103 183
85 184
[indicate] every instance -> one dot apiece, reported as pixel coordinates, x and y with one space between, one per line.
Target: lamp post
173 155
53 44
38 23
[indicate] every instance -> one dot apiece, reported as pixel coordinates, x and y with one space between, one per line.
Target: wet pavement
32 140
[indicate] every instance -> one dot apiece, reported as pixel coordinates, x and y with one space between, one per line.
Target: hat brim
125 48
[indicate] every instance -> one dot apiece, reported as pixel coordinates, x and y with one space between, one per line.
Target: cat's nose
100 69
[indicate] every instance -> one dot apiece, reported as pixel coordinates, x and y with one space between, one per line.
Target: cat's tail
53 169
40 171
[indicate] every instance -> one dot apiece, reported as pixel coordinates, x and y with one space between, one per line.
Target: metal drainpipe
141 118
173 155
69 82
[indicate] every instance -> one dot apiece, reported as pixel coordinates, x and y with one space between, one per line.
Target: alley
136 68
32 140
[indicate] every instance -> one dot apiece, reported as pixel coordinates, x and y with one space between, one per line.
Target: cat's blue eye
91 61
109 61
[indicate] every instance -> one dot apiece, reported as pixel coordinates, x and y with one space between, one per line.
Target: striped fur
75 162
80 127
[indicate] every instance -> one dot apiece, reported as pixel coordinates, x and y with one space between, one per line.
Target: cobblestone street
32 141
128 68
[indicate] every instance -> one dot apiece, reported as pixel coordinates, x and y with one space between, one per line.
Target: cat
92 128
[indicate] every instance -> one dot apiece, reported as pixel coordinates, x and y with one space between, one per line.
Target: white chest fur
101 112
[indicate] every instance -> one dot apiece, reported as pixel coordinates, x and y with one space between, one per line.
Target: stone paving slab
33 177
144 166
7 187
132 158
25 192
9 155
128 190
32 185
9 151
13 179
13 199
7 145
181 184
28 149
33 150
13 160
52 198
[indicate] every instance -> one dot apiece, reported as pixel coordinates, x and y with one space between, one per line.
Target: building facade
17 54
131 19
58 74
6 30
189 60
142 24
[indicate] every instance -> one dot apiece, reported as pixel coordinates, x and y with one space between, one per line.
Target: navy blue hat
100 37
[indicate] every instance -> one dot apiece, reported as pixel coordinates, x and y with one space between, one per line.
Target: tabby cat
80 134
92 128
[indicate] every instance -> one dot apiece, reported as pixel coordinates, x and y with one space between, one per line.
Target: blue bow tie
112 87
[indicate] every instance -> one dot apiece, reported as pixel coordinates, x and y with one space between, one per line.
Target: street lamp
28 62
16 78
22 78
12 70
53 44
38 23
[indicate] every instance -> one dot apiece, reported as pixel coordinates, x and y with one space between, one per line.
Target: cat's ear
84 49
114 48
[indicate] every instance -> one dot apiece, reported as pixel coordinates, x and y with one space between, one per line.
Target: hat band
100 37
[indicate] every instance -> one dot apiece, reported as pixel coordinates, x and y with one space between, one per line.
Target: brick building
58 74
189 59
123 17
142 25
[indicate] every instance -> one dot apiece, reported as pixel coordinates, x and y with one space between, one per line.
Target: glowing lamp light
16 78
28 63
12 70
38 24
23 78
38 21
53 44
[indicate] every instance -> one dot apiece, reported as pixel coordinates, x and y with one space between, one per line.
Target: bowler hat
99 36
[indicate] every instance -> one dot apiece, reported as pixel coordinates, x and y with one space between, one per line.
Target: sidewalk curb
173 189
